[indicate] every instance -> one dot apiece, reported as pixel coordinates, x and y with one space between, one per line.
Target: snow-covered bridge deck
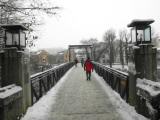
75 98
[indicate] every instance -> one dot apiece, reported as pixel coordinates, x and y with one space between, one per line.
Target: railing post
40 88
32 99
119 85
48 81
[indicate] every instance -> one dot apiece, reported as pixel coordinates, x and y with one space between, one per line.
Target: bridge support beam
15 70
142 64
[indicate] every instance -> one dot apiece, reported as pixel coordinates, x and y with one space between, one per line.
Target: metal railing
42 82
116 79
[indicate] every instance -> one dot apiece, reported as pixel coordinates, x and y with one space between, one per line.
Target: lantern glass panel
8 38
22 39
133 34
140 35
15 39
147 34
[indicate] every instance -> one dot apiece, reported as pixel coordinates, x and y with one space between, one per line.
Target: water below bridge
75 98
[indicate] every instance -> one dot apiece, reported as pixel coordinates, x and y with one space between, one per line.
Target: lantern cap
13 26
140 22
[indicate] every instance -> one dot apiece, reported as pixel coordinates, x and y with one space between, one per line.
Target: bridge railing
42 82
116 79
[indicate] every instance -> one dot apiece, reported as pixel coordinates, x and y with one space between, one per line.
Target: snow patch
9 90
41 109
153 88
125 110
136 47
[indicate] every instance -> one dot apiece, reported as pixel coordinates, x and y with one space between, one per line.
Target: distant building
43 57
63 56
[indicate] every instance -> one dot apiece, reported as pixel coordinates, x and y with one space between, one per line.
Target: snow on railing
118 80
44 81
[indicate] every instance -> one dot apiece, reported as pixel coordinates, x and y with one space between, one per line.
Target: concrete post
142 64
15 70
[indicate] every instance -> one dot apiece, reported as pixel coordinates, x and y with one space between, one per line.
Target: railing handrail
34 76
114 71
44 81
118 80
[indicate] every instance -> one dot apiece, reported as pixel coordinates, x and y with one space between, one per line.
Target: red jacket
88 66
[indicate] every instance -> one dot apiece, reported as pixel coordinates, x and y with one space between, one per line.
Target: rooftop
14 26
140 22
80 46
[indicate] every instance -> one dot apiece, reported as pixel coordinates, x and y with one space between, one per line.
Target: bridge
63 93
79 99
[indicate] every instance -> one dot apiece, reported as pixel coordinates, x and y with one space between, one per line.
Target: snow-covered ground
125 110
42 109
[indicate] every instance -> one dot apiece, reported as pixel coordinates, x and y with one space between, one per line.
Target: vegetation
114 49
26 12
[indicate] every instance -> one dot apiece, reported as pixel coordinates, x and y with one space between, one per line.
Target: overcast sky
84 19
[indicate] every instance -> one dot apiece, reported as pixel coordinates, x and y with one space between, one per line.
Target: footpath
79 99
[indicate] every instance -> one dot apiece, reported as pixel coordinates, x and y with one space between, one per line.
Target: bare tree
109 37
121 47
127 37
155 38
93 42
90 41
26 12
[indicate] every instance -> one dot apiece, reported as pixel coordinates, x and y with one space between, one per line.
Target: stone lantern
142 56
14 61
15 36
141 31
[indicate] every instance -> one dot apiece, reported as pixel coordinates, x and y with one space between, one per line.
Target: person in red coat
88 67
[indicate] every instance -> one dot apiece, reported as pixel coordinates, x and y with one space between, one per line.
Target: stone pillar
146 62
142 64
15 70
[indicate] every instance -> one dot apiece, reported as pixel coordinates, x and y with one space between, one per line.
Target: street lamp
141 31
15 36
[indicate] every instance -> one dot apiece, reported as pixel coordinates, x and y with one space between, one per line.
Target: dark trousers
88 75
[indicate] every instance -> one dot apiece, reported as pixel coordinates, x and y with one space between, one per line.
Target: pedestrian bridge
75 98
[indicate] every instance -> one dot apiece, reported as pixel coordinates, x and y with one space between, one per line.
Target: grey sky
84 19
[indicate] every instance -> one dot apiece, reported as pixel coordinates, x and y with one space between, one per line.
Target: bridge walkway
75 98
79 99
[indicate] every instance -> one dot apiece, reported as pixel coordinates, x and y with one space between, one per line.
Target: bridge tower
88 49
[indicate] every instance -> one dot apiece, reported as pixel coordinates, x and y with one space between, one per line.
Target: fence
44 81
116 79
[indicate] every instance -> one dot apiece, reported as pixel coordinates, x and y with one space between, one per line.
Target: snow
136 47
9 90
152 111
115 67
158 48
153 88
118 68
41 109
125 110
53 68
